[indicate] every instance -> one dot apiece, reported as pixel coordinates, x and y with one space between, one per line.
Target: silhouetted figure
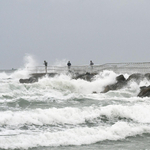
45 63
91 64
69 64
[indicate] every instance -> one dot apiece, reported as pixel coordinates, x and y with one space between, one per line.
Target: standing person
91 64
45 63
69 64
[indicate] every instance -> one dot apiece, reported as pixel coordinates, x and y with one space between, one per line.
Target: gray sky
105 31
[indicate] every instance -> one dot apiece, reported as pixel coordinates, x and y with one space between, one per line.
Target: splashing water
62 113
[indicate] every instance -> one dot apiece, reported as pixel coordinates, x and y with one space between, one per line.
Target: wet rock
121 82
120 78
136 77
86 76
108 88
30 80
144 91
147 76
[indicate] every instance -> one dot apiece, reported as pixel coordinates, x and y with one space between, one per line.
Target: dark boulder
24 80
35 76
30 80
121 82
144 91
115 86
86 76
136 77
109 87
147 76
120 78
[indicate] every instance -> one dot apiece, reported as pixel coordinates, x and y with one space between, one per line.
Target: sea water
62 113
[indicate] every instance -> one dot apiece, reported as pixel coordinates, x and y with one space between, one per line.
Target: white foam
64 82
137 112
23 72
29 64
75 116
3 76
48 116
75 136
63 87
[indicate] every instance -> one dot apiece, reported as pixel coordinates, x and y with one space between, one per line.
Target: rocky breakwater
122 82
36 76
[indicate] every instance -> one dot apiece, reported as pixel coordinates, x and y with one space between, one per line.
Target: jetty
130 68
86 72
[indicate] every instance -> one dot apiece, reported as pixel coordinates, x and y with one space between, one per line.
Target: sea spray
58 112
60 62
29 65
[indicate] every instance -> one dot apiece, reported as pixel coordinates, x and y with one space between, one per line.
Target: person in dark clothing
69 64
91 64
45 63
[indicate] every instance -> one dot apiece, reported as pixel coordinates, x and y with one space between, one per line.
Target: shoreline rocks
30 80
144 91
121 81
85 76
34 77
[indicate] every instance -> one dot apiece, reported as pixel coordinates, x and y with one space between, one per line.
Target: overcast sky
105 31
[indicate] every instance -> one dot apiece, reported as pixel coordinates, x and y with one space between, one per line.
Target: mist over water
63 113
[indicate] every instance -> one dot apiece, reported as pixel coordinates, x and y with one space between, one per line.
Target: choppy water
62 114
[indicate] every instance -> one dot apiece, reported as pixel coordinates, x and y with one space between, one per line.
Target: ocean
62 113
